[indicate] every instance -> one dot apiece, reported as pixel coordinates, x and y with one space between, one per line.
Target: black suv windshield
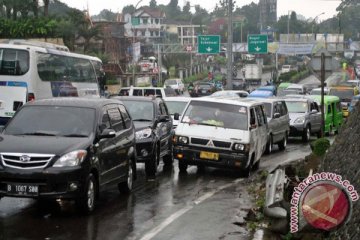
140 110
216 114
52 121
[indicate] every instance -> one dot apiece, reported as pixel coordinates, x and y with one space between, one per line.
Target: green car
282 87
333 112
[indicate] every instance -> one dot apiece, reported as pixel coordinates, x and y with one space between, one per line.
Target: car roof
304 99
177 99
327 98
270 87
240 101
73 102
269 100
260 93
137 98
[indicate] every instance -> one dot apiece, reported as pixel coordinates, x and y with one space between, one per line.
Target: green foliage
112 82
320 146
197 77
28 28
220 60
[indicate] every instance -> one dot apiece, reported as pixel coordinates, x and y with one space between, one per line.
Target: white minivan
221 133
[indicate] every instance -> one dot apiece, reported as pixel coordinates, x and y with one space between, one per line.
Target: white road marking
152 233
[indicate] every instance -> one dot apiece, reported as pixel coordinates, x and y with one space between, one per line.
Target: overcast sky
307 8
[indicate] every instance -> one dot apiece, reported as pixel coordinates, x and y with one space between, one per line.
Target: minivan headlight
241 147
71 159
183 140
144 133
300 120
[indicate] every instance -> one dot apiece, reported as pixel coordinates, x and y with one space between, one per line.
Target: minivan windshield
297 107
175 107
170 82
216 114
140 110
52 121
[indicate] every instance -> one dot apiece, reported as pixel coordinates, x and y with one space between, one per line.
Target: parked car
239 84
278 121
147 91
176 105
260 94
153 125
298 88
48 149
317 91
176 84
221 133
230 94
269 88
305 117
345 94
203 89
332 112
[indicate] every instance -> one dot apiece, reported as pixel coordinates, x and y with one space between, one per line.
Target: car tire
168 159
182 167
306 134
126 187
87 202
269 145
247 171
283 143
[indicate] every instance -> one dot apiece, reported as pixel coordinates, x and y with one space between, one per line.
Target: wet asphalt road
204 204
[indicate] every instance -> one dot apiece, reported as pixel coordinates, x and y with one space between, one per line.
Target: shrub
320 146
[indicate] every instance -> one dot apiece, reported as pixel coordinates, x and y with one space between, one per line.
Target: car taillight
31 97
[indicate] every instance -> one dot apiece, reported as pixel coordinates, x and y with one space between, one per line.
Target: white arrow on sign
257 48
209 49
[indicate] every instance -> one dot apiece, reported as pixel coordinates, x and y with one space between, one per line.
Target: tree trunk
46 8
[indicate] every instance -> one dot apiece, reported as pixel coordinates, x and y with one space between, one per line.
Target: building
268 13
145 25
186 32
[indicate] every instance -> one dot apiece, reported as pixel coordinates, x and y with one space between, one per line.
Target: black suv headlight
142 134
71 159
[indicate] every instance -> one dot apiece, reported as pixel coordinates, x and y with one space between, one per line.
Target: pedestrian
106 92
154 82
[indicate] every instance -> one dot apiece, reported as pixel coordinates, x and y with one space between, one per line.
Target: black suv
154 132
68 148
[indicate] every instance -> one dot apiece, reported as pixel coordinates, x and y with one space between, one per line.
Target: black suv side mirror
163 118
176 116
108 133
276 115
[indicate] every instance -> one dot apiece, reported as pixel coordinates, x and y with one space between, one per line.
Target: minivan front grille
25 160
210 143
199 141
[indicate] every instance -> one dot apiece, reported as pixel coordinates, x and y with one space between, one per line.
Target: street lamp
314 22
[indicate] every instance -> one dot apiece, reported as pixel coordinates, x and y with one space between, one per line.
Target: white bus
46 72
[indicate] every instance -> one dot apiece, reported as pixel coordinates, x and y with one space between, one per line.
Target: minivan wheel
269 146
126 187
87 202
283 143
306 134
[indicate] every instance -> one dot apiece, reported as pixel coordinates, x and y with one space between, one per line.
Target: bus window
63 68
14 62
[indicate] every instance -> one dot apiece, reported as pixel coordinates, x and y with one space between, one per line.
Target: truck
253 73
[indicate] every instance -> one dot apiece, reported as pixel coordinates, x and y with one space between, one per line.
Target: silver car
278 122
305 117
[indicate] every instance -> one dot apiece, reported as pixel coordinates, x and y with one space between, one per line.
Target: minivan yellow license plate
209 155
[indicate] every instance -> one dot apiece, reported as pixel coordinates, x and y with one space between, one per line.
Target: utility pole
229 47
322 92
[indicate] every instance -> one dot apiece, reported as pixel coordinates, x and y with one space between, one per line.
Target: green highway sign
209 44
257 44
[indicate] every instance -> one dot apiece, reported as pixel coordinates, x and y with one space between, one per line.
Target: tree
172 8
186 8
153 3
128 9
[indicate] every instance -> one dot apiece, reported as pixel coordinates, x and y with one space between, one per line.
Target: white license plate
22 189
